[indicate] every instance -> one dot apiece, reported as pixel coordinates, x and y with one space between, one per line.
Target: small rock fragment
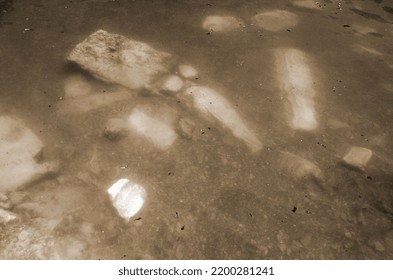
127 197
358 157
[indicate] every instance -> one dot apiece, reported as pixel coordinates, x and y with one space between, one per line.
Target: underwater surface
243 129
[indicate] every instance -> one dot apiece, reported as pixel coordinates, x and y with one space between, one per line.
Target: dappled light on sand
196 130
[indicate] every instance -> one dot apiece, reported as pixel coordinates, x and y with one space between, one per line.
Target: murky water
306 92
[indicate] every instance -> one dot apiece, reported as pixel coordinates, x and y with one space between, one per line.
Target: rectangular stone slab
116 59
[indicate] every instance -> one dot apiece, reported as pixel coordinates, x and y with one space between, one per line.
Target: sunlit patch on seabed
296 82
209 101
275 20
221 23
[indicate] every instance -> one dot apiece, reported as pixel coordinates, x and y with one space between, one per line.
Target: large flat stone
116 59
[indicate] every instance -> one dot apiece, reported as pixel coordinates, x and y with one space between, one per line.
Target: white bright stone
127 197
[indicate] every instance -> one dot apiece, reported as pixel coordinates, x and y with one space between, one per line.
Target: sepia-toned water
268 172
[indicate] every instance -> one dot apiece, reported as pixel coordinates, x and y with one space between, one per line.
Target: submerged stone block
18 148
358 157
116 59
160 132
